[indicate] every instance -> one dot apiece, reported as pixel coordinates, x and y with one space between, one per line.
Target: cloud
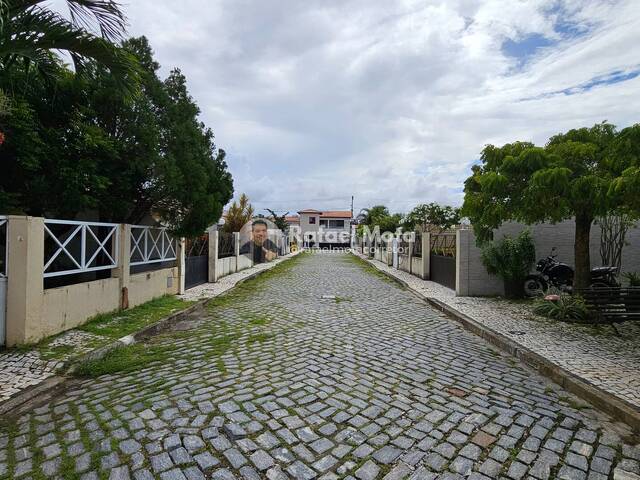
389 101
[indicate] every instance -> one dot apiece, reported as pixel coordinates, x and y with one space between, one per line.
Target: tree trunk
582 276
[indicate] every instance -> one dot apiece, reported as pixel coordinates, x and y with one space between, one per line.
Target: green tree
238 214
432 217
279 220
379 216
576 175
92 146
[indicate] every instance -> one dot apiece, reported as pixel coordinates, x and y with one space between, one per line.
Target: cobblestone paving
208 290
606 356
277 382
19 370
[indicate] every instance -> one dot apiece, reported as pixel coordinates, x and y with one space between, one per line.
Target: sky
391 102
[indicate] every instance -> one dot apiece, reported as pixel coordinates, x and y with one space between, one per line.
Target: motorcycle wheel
600 284
534 286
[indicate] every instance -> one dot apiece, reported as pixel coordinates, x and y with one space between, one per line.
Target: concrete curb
601 399
49 385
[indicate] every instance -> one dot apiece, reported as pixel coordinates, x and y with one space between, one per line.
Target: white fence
80 247
151 245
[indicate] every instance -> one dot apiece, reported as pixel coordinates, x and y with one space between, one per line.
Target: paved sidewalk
209 290
326 370
606 356
20 369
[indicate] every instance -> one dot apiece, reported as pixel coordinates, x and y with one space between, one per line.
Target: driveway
274 381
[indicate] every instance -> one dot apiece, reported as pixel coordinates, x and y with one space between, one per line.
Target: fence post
182 264
410 257
236 247
394 252
426 255
462 262
25 270
213 254
122 272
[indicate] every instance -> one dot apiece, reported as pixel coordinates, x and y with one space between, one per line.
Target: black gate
442 259
196 261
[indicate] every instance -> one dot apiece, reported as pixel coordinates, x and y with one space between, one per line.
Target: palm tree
31 33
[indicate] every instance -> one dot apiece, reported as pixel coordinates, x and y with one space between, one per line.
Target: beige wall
226 266
67 307
149 285
416 266
244 262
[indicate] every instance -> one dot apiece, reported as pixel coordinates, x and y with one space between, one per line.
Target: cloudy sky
391 102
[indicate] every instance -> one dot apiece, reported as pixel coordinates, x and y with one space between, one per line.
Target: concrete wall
473 279
244 262
226 266
404 263
67 307
416 266
149 285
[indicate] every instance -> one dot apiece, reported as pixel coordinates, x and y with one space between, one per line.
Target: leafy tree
195 182
577 175
279 220
238 215
379 216
432 217
93 147
31 32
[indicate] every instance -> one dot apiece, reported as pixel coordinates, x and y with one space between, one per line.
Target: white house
325 229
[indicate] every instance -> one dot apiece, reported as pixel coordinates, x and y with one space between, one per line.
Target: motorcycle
553 273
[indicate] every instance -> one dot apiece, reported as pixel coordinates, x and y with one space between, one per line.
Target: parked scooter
553 273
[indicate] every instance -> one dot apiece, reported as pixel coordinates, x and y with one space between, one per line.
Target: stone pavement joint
605 356
275 382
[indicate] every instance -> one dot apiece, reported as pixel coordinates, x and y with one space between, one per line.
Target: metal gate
4 246
196 261
442 259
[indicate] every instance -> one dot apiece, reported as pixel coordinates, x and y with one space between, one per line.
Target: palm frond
37 30
105 17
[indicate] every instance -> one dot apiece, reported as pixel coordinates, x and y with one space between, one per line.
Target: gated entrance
442 259
4 244
196 261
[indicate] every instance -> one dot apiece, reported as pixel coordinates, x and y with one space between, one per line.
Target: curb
51 384
603 400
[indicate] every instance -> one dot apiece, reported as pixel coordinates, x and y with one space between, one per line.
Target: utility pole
351 207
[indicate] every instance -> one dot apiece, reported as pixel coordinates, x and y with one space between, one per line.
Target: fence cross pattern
84 232
151 245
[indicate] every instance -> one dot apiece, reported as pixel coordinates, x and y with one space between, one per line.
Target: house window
332 223
312 220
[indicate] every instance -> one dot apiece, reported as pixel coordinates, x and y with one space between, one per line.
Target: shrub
511 259
564 307
633 278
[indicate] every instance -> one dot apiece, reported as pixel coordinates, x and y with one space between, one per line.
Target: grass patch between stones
126 359
121 323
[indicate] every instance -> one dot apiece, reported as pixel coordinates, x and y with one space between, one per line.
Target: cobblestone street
322 369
